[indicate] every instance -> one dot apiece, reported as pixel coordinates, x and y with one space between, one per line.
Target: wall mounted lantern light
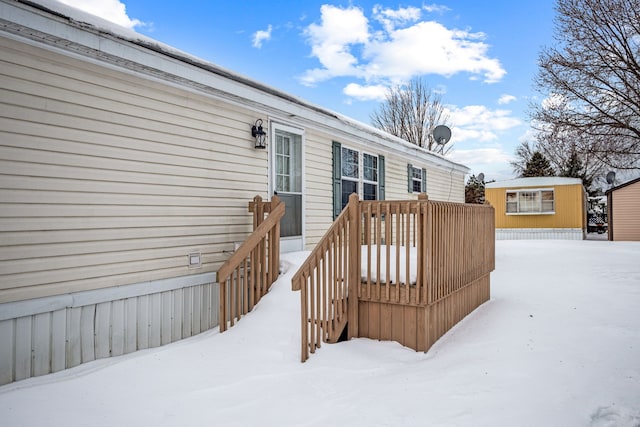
259 134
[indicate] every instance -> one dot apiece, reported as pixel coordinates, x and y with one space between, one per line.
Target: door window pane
288 163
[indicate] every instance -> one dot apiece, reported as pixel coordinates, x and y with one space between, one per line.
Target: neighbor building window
530 201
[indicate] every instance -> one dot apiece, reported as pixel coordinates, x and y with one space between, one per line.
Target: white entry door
287 184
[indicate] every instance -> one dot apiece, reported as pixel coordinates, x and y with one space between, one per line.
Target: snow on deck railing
375 249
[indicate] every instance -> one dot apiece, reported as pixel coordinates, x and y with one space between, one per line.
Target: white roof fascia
541 181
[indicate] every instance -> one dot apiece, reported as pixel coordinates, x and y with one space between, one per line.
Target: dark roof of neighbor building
625 184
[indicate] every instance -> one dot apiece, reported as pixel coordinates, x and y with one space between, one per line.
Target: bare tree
561 154
560 147
411 112
592 83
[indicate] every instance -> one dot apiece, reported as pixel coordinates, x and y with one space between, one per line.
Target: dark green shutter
380 177
410 178
337 179
424 180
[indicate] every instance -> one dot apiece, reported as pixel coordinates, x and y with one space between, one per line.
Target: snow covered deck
443 251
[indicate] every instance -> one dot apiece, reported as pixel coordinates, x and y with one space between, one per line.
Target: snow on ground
558 344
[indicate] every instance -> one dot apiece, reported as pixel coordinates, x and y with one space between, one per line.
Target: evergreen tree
474 190
538 165
574 168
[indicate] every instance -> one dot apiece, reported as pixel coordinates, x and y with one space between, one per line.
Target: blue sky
343 55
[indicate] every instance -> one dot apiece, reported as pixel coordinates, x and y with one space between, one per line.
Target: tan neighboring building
623 204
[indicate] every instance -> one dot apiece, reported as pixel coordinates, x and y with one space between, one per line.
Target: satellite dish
611 177
481 177
441 134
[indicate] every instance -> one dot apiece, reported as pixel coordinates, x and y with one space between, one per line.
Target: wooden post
424 248
274 245
354 264
258 211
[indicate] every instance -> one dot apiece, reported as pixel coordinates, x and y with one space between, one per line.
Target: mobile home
538 208
127 169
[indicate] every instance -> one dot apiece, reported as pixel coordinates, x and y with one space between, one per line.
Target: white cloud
366 93
110 10
480 156
331 41
390 18
492 161
505 99
479 123
347 44
476 134
261 36
435 8
428 47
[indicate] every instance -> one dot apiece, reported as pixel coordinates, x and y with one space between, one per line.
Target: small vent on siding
195 260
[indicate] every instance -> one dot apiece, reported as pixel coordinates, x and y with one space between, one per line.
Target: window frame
360 165
373 182
521 203
375 176
412 179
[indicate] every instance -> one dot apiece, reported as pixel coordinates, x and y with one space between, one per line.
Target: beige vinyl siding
318 186
445 185
626 212
396 178
109 179
441 184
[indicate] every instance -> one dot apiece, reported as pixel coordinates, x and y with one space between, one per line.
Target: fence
399 270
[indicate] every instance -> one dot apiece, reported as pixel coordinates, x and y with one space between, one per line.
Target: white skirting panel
539 234
50 334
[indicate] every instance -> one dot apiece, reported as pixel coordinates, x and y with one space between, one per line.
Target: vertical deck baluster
388 225
397 255
378 234
407 251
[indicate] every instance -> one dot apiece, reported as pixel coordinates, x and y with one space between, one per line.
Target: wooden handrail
248 245
322 282
247 275
311 260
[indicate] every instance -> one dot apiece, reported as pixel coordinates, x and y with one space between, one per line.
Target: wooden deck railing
322 282
247 275
462 246
413 253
